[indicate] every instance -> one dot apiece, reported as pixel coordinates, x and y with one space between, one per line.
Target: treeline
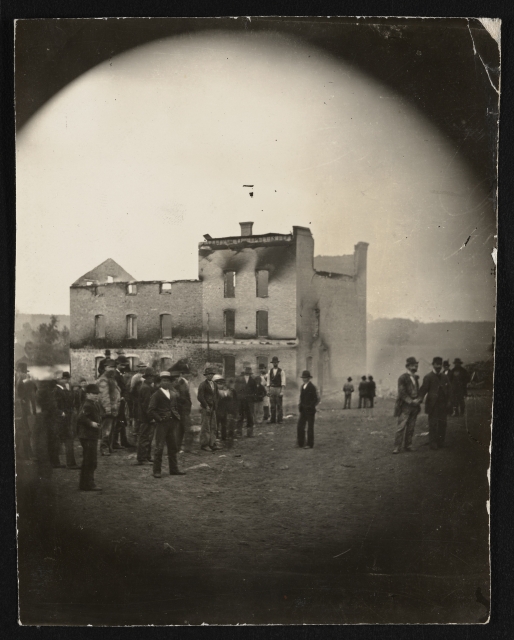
46 345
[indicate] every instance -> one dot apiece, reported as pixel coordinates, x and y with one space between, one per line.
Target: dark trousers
144 442
306 419
47 443
119 428
89 460
183 427
276 404
245 407
371 402
437 420
347 401
227 424
166 434
459 404
363 402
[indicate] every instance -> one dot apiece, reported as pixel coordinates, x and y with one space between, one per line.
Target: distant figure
231 408
221 415
146 426
208 398
309 400
436 388
89 427
64 399
25 409
372 391
266 402
258 400
110 398
276 389
348 389
48 449
407 406
184 405
459 387
101 364
446 369
246 389
363 393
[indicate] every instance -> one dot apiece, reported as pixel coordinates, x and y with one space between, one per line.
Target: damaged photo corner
255 319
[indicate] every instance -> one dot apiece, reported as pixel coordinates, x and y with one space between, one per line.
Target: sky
139 157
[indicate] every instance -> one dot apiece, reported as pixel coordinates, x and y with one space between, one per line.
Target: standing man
265 382
64 401
184 405
277 386
348 389
26 390
363 393
48 445
407 406
119 430
436 388
89 425
110 398
246 390
101 364
372 391
258 401
163 409
459 387
146 426
208 398
309 400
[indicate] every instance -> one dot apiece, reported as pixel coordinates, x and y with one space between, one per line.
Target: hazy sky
141 156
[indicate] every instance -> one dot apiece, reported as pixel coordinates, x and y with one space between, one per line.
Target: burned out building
256 296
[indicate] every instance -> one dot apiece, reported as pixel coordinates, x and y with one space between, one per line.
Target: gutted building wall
280 303
183 302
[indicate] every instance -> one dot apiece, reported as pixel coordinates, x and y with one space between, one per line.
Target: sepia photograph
255 319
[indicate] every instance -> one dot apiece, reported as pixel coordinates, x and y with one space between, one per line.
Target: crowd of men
155 409
444 392
149 410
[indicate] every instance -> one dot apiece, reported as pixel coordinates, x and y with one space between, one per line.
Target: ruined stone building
256 296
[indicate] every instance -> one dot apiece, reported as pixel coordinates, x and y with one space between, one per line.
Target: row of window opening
261 283
131 326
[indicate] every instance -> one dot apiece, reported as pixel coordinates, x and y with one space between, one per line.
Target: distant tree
401 331
51 346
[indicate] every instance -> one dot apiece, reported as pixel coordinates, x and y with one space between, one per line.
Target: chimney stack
246 228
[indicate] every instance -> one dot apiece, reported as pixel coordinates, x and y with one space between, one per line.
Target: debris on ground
198 466
283 467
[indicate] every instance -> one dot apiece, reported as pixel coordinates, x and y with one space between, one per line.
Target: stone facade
257 296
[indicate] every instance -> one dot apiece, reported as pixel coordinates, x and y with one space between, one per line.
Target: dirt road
265 532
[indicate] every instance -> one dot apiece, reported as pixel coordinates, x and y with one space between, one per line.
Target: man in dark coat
122 374
184 404
64 399
101 364
407 406
146 425
246 390
363 393
348 389
208 397
436 388
163 409
309 400
372 391
25 410
89 426
459 386
48 445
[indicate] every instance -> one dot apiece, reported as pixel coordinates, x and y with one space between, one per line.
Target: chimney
246 228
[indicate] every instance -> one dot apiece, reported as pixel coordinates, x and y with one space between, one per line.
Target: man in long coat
437 394
309 400
246 390
407 406
459 386
208 398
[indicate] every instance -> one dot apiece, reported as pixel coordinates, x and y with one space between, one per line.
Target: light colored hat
218 378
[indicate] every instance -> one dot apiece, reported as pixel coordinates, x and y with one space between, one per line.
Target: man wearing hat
101 364
25 409
89 425
265 382
208 397
363 393
436 388
146 426
135 385
309 399
246 391
348 389
407 406
184 404
109 399
163 409
459 387
277 386
64 399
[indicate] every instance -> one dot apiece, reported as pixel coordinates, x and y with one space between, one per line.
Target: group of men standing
443 391
367 393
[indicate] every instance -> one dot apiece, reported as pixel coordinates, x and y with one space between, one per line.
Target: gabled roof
99 274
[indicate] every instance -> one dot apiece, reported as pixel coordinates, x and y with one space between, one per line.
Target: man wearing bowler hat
163 409
277 386
407 406
436 392
309 400
459 386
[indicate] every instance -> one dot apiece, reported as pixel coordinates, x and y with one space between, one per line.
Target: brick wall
280 302
183 303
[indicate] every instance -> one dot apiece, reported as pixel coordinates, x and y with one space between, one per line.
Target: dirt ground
265 532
